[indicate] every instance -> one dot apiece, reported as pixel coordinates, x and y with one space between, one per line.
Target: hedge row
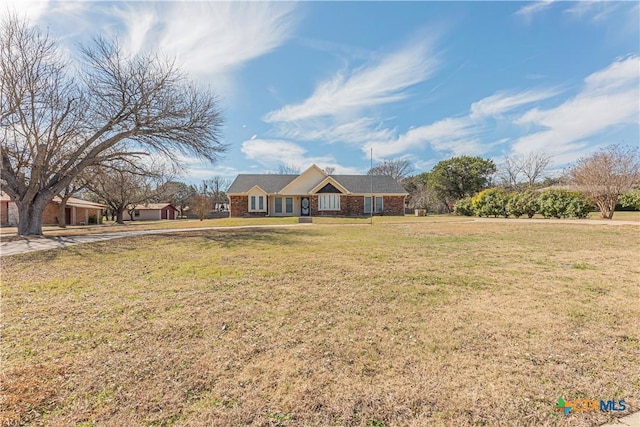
497 202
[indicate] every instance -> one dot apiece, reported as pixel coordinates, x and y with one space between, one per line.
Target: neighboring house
315 193
152 211
77 212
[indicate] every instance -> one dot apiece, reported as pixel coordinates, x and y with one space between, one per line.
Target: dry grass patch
8 234
425 323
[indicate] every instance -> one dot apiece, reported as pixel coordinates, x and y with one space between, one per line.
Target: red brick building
315 193
77 212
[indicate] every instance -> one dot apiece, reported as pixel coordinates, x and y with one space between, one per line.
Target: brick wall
314 206
239 205
4 213
50 214
351 205
393 205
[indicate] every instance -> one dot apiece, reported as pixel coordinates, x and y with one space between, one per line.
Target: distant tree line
605 180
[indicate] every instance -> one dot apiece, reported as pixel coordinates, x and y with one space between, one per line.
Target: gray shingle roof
361 184
358 184
271 183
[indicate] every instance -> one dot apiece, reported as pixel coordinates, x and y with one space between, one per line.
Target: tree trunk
119 216
30 215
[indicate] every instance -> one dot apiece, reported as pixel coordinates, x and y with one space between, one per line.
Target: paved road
45 243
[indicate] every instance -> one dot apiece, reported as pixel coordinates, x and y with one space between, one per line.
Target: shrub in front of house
463 207
559 203
580 205
631 200
525 203
491 202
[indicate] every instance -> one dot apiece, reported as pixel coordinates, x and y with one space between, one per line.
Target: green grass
414 322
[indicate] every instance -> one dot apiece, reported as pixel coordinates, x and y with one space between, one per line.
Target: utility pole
372 201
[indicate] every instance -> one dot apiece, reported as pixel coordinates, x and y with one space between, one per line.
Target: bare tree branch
397 169
607 174
55 123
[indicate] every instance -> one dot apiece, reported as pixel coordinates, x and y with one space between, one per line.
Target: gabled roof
80 203
306 175
361 184
356 184
153 206
268 182
72 201
329 180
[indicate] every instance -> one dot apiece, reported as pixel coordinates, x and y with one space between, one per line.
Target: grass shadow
226 238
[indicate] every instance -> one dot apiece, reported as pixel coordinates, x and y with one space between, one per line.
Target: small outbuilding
152 211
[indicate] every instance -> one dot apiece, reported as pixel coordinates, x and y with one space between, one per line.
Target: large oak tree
460 177
56 119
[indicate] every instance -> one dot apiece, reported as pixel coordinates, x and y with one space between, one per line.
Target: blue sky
327 82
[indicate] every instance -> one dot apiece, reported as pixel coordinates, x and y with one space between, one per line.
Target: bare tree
201 205
607 174
217 189
534 165
288 169
397 168
510 171
178 194
329 170
525 169
56 122
123 186
203 201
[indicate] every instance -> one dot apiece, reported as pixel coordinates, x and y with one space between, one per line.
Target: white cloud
595 10
531 9
609 99
348 93
450 134
329 131
30 10
273 153
502 102
459 135
208 37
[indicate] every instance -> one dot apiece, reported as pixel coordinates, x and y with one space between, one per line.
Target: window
289 205
367 205
136 213
329 202
378 208
278 204
256 200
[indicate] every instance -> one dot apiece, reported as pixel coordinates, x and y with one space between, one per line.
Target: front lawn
412 323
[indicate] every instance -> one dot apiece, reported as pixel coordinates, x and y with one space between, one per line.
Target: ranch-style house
315 193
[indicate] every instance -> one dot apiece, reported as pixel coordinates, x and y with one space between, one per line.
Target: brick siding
393 205
349 206
239 205
50 214
4 213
